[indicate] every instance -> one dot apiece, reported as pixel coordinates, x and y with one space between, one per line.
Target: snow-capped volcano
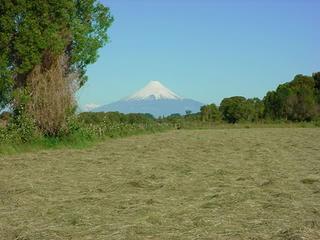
154 90
155 99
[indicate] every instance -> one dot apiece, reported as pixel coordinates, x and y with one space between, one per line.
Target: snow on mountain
155 99
154 90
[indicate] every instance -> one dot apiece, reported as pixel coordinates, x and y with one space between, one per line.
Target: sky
204 49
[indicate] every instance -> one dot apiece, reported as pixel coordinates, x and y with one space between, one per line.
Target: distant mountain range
155 99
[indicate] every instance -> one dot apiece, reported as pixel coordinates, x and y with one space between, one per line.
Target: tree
234 109
255 109
210 113
45 48
174 118
316 77
295 100
271 105
237 109
305 103
192 117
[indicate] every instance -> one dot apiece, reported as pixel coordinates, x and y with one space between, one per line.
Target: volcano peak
154 90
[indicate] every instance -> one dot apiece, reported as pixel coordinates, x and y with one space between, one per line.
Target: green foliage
233 109
100 117
192 117
210 113
81 130
295 101
255 109
179 120
132 118
5 91
115 117
316 77
173 118
317 122
33 31
271 105
90 125
20 129
238 108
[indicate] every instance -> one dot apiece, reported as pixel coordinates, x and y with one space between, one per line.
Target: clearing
189 184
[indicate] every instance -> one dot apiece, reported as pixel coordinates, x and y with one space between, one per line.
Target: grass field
189 184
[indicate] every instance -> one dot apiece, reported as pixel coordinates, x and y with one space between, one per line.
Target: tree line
297 100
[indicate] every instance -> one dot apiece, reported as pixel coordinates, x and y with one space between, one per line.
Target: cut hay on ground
205 184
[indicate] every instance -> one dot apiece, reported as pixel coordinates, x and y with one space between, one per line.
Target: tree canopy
34 32
210 113
295 100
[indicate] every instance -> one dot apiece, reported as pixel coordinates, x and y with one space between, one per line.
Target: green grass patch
84 136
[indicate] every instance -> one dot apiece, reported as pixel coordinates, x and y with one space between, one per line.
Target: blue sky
205 49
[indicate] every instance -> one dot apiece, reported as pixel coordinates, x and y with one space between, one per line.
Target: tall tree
271 105
45 47
210 113
295 100
316 77
234 109
255 109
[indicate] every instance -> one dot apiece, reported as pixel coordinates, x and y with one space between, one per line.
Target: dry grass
193 184
51 94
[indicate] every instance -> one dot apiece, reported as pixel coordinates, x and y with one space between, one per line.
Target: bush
20 129
316 121
115 117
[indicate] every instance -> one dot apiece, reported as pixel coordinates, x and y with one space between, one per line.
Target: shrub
20 129
210 113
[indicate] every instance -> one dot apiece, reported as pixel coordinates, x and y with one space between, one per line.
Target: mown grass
91 135
196 184
224 125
